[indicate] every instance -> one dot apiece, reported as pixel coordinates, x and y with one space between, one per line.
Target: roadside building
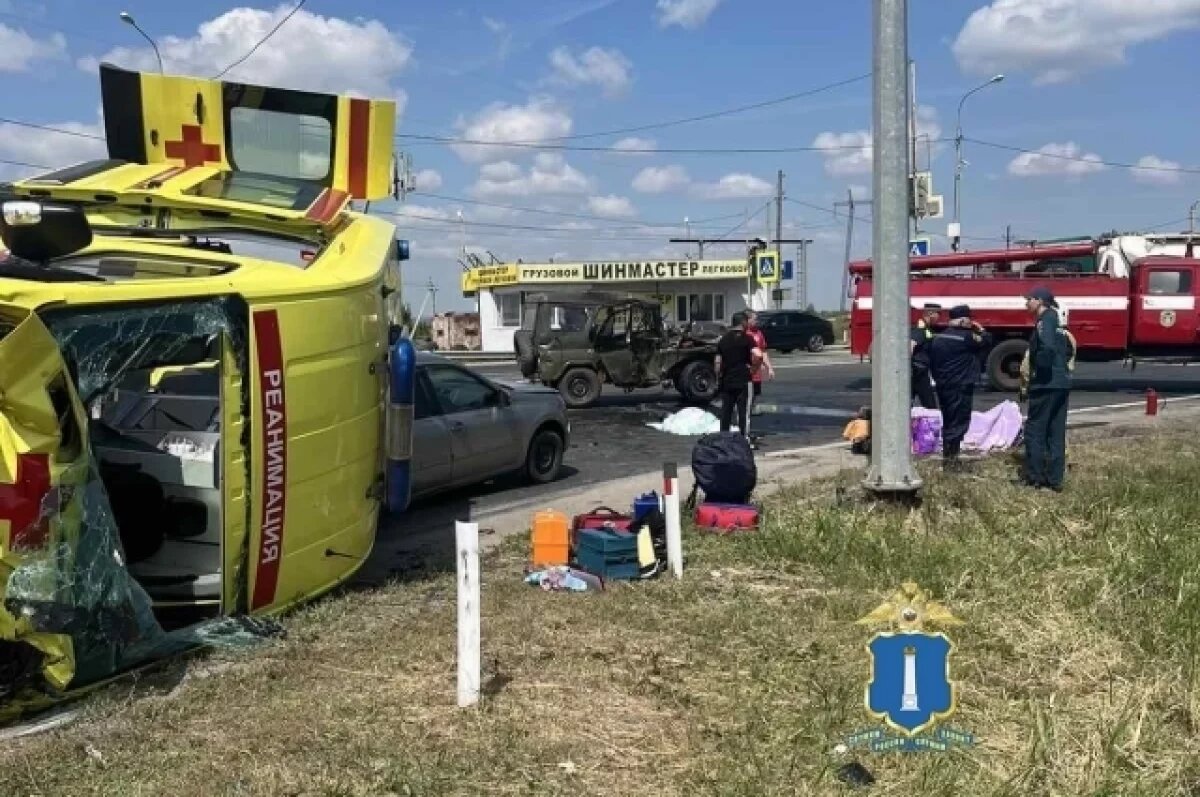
456 331
688 290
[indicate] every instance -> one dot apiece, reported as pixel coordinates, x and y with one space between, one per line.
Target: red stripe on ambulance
273 497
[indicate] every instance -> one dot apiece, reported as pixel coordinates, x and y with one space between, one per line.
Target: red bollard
1151 401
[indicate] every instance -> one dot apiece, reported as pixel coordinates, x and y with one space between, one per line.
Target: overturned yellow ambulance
205 399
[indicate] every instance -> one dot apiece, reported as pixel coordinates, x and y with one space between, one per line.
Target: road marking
1162 402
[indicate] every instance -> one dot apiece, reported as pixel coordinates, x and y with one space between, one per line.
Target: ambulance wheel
579 387
545 457
816 343
698 382
1004 365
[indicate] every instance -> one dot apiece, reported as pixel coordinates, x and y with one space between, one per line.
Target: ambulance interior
150 380
157 445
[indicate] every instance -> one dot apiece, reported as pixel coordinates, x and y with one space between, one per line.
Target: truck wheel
816 343
698 382
579 387
1004 365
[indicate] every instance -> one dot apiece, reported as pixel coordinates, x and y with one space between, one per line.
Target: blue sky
1098 80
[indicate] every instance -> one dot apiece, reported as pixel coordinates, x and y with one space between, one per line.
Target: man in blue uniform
954 364
918 346
1049 390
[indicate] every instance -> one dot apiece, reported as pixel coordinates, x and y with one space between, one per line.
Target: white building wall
494 335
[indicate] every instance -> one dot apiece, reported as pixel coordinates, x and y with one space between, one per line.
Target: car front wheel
545 457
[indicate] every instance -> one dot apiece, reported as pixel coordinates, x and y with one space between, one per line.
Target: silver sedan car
469 429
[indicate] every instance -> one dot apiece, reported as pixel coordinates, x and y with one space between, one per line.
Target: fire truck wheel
579 387
1004 365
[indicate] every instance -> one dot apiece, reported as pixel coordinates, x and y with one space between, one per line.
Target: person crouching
954 365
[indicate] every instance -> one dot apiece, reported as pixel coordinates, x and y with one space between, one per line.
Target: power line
686 120
477 142
565 214
25 165
50 129
263 40
1078 159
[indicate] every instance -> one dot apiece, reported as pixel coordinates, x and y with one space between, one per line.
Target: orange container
550 538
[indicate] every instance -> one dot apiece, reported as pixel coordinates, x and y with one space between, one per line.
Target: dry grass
1077 666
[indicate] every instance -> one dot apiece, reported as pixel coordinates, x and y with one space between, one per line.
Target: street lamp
958 161
128 19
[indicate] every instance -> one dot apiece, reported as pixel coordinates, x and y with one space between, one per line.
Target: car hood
526 388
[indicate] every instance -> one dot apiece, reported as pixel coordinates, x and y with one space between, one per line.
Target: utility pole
433 289
1008 237
891 470
912 137
1192 217
779 229
850 203
802 274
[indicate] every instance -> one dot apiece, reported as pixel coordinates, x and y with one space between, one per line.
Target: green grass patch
1077 666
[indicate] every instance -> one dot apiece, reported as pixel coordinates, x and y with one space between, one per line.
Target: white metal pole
466 538
674 522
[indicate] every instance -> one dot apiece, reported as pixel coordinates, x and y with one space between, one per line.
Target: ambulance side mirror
42 231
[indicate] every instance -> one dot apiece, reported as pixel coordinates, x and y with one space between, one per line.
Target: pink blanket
994 430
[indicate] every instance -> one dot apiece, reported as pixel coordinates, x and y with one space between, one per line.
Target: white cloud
853 152
846 153
494 25
1156 171
734 186
541 118
312 52
635 146
428 180
611 206
19 50
1057 40
549 175
661 179
608 69
1066 160
685 13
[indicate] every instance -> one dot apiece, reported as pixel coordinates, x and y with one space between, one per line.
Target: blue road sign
787 269
918 247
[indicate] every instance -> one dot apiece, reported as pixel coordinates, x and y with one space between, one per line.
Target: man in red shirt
756 375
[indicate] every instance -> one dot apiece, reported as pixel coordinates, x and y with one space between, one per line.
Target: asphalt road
816 394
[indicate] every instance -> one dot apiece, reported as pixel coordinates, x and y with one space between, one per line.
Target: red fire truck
1124 298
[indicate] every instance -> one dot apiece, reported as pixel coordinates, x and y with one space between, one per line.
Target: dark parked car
788 330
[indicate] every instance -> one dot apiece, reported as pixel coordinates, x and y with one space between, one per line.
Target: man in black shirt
921 337
736 353
954 363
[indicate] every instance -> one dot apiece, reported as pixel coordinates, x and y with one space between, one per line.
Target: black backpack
724 468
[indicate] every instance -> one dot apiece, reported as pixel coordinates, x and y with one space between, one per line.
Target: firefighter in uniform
954 364
918 346
1049 388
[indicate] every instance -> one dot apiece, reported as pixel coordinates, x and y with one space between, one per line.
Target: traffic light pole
891 471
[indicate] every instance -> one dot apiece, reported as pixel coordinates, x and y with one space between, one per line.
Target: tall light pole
128 19
1192 217
958 161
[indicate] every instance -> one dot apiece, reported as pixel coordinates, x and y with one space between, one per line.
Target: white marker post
674 524
466 537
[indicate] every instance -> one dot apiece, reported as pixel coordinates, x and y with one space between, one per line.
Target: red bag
726 518
600 518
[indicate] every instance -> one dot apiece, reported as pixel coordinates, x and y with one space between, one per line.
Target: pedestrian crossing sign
767 267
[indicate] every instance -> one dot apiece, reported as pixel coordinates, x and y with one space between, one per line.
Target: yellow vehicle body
292 379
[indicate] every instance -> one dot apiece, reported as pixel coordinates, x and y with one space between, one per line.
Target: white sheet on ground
690 421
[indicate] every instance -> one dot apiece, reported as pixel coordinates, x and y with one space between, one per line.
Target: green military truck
579 344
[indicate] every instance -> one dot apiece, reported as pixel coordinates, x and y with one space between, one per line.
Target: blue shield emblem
910 688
